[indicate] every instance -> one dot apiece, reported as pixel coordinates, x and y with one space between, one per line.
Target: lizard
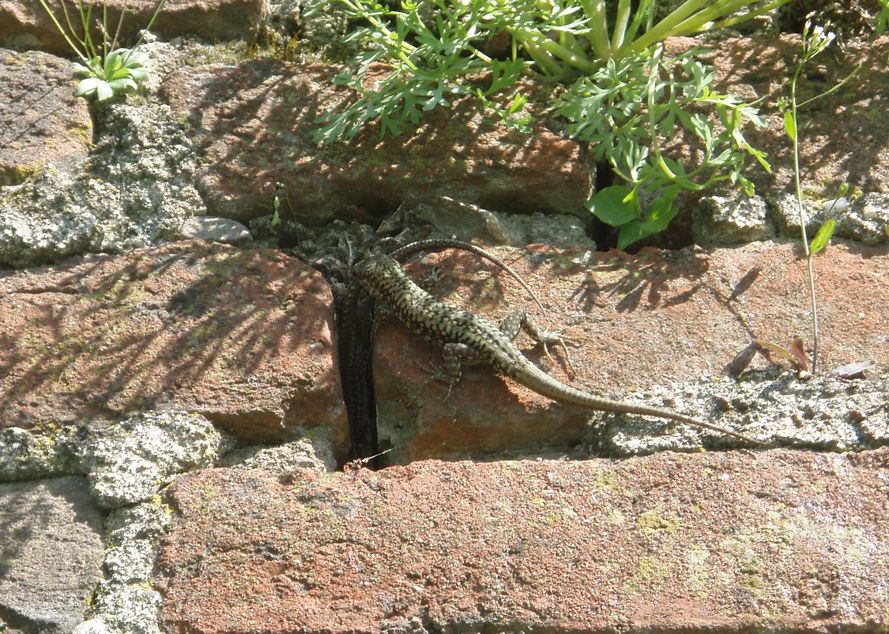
517 319
466 338
402 253
355 337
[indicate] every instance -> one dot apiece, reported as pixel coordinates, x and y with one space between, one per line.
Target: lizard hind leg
454 357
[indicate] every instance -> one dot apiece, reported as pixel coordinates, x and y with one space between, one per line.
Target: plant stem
833 89
598 31
62 31
540 56
810 264
731 21
620 24
536 43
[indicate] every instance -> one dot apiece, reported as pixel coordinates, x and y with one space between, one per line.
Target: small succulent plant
121 71
106 69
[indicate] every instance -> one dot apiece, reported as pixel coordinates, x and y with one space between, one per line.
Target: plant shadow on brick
620 91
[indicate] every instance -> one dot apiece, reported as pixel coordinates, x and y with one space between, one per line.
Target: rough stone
50 553
132 459
41 122
93 626
125 463
822 413
43 451
318 27
125 601
162 59
735 541
130 609
241 337
665 324
24 24
215 229
138 191
863 219
446 217
309 452
250 149
733 219
134 535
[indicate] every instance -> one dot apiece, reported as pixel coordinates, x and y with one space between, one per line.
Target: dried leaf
798 350
736 366
767 348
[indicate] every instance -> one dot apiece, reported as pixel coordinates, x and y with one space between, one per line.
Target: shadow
31 509
255 123
29 101
477 281
40 123
640 281
847 130
109 337
153 328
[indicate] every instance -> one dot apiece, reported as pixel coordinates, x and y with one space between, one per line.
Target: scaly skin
402 253
470 338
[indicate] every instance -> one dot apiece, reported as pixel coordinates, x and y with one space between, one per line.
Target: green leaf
518 102
104 91
663 165
790 125
122 84
138 74
503 74
659 216
135 59
86 87
612 206
823 236
630 233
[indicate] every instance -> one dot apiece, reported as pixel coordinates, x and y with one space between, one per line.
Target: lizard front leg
454 357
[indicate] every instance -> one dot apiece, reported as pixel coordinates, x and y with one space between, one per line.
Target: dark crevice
332 250
354 330
604 235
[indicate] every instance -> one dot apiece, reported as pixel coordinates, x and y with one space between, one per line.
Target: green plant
623 109
815 40
281 193
119 72
106 69
426 54
881 20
